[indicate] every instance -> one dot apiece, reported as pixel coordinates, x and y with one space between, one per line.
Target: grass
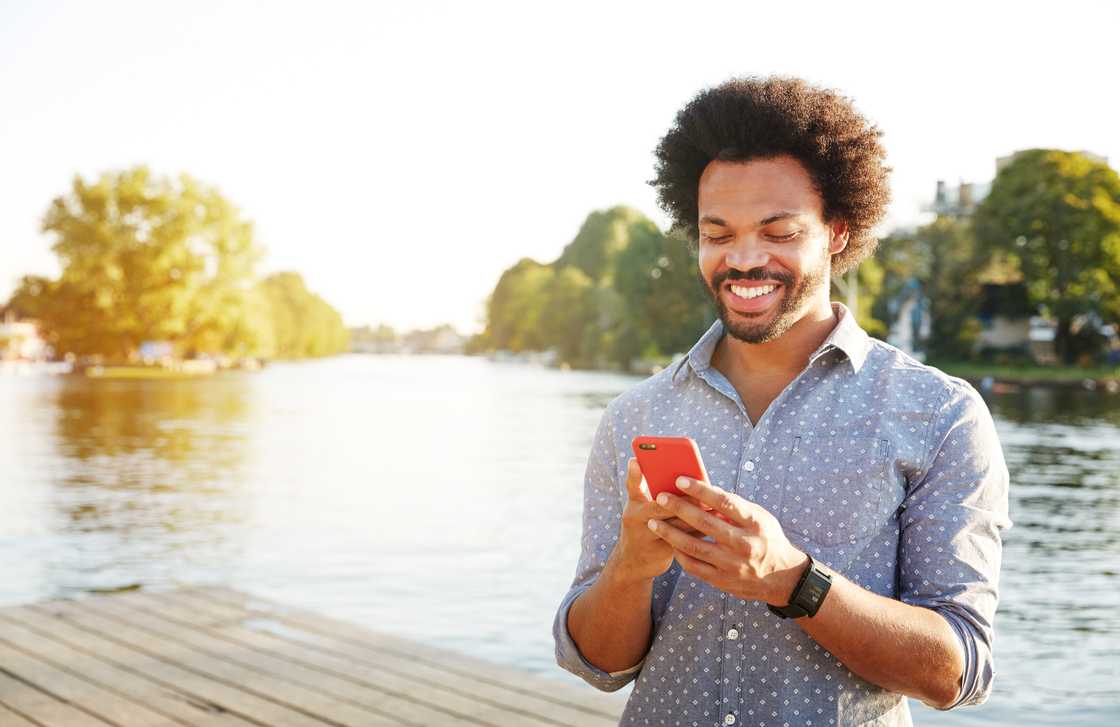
137 372
1026 372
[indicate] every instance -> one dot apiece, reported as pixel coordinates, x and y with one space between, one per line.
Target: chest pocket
838 490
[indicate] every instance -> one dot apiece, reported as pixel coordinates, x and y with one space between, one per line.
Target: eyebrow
712 219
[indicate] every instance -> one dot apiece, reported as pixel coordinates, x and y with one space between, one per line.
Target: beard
770 324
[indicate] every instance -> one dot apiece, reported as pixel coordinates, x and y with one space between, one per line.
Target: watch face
813 590
813 593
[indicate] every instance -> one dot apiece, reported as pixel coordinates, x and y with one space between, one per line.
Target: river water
439 497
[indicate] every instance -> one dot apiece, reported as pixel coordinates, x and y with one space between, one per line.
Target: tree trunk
1062 347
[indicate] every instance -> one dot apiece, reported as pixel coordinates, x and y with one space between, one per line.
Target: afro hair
758 118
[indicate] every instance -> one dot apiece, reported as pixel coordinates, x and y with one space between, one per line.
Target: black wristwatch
807 595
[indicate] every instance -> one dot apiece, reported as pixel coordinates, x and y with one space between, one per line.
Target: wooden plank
471 696
8 718
540 701
28 631
602 704
109 706
387 699
44 708
226 661
237 698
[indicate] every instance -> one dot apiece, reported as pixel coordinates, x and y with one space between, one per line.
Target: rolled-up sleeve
951 543
602 513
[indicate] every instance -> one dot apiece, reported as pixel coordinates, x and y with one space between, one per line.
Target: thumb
636 487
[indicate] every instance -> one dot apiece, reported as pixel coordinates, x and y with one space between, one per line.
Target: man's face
761 231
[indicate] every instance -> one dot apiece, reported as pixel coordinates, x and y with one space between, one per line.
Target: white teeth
752 292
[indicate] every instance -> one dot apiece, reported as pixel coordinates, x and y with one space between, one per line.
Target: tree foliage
147 258
300 323
1057 214
620 290
601 237
515 306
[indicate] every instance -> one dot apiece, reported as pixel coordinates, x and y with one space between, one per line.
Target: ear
838 236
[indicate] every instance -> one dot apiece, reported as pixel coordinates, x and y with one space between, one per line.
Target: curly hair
758 118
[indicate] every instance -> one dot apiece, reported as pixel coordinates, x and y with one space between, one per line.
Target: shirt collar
846 335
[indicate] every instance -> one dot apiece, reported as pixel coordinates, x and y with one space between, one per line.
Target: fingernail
682 482
662 499
652 524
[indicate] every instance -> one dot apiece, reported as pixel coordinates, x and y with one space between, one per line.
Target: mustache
757 274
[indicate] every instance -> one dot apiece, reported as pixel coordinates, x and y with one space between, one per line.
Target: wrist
785 579
617 574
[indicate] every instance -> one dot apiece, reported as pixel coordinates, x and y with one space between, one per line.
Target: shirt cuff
631 670
569 657
968 648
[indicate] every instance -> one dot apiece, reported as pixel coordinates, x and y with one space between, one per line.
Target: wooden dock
215 656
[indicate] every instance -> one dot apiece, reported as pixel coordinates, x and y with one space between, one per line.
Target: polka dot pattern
885 469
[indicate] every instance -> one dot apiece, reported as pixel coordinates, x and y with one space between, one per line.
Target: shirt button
749 466
732 634
729 719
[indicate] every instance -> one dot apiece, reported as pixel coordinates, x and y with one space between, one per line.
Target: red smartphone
664 459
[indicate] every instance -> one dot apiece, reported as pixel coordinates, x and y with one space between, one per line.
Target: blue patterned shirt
886 470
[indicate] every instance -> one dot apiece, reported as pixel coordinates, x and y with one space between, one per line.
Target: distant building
151 352
1005 318
441 339
959 201
909 320
20 340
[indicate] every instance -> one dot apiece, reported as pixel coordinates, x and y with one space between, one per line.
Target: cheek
708 262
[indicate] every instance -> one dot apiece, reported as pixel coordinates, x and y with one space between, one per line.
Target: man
852 551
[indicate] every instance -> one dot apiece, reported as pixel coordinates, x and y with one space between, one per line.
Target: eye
722 238
783 238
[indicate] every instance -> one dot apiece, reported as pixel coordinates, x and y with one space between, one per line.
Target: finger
698 568
646 510
711 553
683 526
635 481
734 508
705 521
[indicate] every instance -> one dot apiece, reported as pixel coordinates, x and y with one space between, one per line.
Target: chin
763 328
756 334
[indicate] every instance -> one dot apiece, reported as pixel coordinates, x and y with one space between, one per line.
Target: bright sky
401 155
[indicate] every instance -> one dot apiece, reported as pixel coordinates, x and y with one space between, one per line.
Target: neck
785 355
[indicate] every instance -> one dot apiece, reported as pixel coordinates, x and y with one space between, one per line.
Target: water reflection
146 486
1057 405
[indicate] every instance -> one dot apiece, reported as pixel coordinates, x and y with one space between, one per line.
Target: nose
746 253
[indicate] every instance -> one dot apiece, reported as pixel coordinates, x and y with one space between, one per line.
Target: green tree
145 258
601 237
301 323
69 320
1057 213
567 312
658 277
514 307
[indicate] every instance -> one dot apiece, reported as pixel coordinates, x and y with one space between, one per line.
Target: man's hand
640 554
751 557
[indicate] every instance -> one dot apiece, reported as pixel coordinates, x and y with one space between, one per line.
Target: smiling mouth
748 299
756 291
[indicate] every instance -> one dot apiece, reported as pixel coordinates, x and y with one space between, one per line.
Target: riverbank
1105 378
